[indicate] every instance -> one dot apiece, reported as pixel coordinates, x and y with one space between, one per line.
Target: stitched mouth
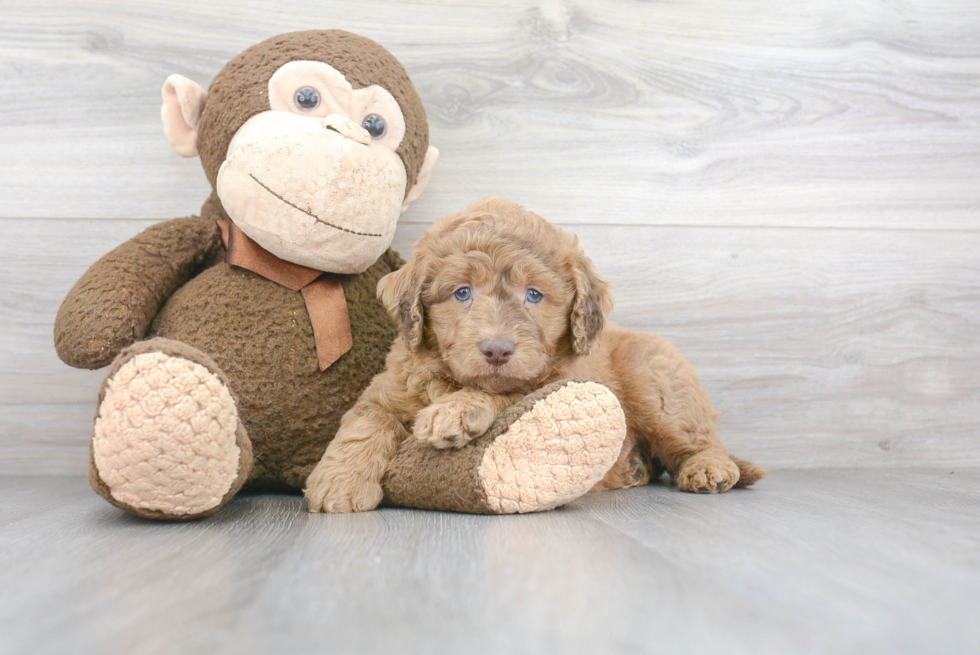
311 214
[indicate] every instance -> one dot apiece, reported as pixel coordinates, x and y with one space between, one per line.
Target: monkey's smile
311 214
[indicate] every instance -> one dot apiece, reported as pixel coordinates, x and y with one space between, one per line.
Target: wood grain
820 347
694 113
845 562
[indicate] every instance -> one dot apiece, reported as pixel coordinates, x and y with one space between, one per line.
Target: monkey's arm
113 303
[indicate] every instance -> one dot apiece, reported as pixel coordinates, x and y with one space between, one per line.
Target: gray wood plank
695 113
808 561
51 439
108 562
820 347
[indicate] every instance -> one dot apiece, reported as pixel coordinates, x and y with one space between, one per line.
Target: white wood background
790 192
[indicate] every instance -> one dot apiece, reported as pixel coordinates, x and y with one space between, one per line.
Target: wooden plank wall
790 192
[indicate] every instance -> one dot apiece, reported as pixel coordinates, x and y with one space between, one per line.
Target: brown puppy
494 303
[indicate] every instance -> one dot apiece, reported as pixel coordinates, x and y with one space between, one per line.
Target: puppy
494 303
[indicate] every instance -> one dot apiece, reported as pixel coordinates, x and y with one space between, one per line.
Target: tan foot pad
555 452
542 452
165 436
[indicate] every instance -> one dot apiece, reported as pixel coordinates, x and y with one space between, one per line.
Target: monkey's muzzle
315 192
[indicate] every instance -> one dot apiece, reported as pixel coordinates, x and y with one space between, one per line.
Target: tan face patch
325 91
311 195
308 180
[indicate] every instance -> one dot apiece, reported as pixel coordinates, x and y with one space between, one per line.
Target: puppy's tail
748 473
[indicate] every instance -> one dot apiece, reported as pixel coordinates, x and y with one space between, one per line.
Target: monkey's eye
307 98
463 294
375 125
533 296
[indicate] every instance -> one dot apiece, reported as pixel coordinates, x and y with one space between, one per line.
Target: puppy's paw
334 488
452 423
707 473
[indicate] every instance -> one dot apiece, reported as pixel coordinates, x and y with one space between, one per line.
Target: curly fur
439 382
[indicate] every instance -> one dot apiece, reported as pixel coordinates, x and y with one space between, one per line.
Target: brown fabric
322 292
424 477
113 303
331 323
241 437
261 336
244 252
240 90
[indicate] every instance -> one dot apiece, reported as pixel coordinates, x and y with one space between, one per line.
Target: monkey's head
315 142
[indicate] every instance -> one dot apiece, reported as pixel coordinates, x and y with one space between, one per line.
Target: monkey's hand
113 303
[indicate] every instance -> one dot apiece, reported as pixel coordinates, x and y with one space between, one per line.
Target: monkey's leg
542 452
168 442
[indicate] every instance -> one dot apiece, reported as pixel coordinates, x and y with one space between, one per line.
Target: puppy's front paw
334 488
452 423
707 473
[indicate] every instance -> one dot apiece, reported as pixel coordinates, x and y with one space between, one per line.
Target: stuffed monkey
237 339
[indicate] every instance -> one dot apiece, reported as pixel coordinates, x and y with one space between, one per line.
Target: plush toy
238 338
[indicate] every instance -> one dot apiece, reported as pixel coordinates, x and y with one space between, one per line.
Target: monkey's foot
539 454
168 443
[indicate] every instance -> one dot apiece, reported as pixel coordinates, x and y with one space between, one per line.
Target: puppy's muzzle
497 350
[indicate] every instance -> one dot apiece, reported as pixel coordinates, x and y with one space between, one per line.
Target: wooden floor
857 561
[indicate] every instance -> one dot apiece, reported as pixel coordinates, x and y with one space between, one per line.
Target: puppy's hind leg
633 468
665 402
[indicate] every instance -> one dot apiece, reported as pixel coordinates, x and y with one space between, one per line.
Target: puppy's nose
497 350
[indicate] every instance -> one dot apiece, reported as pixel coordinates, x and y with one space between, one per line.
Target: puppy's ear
592 303
401 294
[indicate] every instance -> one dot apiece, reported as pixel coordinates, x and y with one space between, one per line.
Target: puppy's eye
463 294
533 296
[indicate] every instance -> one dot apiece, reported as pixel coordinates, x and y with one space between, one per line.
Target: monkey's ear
592 303
425 172
401 294
183 103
